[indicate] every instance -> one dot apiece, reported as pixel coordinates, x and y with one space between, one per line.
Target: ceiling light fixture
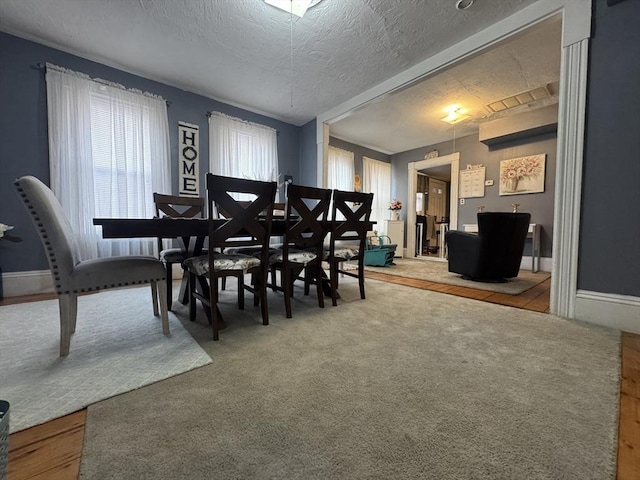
297 7
463 4
455 115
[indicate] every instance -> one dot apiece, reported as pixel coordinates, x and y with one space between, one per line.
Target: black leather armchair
495 252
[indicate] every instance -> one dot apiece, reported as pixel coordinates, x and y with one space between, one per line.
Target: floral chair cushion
295 256
342 253
171 255
200 265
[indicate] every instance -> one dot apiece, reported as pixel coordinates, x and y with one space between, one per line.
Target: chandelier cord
291 48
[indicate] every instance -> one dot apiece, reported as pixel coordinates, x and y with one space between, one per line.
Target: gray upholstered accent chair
72 276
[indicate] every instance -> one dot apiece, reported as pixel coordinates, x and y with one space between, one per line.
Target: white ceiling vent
520 99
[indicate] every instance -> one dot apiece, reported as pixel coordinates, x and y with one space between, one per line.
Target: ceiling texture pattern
238 51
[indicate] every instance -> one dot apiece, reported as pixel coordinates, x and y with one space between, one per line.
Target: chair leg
154 298
65 304
192 298
333 279
73 311
204 288
307 281
287 287
164 311
262 280
317 267
361 276
257 284
213 302
169 285
241 292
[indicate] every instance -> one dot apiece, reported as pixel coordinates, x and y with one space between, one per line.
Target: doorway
432 210
452 162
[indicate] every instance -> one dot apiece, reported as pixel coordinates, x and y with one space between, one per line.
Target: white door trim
412 189
576 30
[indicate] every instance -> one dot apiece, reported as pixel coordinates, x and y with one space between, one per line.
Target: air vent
520 99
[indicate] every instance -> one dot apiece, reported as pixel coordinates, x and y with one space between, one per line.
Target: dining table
191 232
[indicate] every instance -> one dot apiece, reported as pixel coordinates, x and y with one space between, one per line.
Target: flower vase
512 184
395 214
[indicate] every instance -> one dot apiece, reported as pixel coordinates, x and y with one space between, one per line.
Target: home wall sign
472 181
188 161
522 175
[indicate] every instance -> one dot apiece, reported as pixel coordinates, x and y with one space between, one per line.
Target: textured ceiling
238 51
411 118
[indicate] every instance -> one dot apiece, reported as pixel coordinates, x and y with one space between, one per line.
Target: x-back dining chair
245 224
350 217
71 275
177 207
306 214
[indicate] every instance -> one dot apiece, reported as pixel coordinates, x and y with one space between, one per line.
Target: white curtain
376 179
340 169
108 153
242 149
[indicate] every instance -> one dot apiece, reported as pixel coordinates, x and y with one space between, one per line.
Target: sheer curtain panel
376 179
242 149
108 151
340 169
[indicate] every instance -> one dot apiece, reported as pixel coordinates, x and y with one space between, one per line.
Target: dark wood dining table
191 231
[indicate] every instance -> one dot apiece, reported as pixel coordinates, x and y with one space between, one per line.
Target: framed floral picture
522 175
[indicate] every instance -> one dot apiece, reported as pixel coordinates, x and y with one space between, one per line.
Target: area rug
406 384
118 346
437 271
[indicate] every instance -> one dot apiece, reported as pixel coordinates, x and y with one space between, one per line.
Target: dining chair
245 224
71 275
173 206
350 215
305 229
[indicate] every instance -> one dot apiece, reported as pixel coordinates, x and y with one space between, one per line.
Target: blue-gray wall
23 132
472 152
308 155
609 252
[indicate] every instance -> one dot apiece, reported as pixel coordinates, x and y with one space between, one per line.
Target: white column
566 222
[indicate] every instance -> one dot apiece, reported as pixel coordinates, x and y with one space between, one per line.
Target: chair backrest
349 212
249 223
502 236
53 227
177 207
307 209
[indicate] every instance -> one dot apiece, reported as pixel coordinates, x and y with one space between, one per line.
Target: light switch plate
488 183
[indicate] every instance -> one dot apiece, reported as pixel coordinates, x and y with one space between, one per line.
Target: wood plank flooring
53 450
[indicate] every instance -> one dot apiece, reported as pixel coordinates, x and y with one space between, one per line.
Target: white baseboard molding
16 284
621 312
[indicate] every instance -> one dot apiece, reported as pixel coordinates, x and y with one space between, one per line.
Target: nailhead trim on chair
53 262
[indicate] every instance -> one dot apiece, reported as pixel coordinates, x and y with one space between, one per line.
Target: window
340 169
109 151
376 179
242 149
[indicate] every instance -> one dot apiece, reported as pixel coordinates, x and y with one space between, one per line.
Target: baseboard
621 312
16 284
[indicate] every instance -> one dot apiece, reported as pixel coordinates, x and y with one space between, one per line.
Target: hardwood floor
53 450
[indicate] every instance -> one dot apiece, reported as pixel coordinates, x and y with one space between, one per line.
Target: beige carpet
408 384
118 346
437 271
